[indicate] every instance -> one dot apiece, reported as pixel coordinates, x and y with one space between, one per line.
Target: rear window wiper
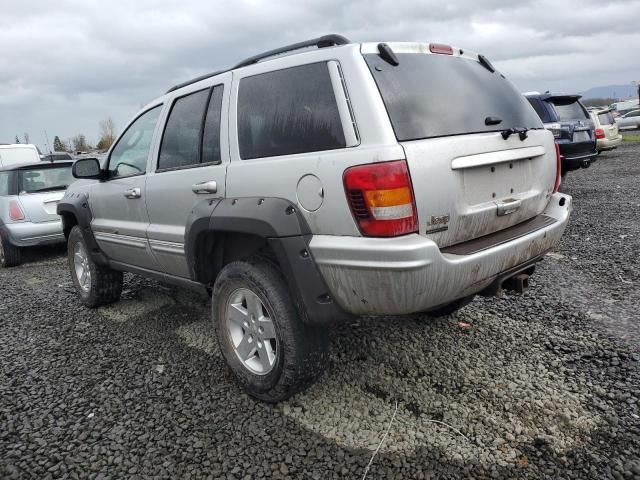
522 133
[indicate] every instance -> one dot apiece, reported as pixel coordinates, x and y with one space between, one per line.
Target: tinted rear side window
569 110
606 118
437 95
181 140
288 111
540 109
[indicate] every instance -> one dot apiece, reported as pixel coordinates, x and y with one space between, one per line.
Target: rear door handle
205 187
133 193
508 206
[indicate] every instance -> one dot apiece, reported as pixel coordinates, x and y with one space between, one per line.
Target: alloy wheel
252 331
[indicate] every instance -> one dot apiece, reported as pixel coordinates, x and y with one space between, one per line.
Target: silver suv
317 182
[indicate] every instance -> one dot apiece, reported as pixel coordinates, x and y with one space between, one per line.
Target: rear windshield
569 110
45 179
605 118
13 156
429 95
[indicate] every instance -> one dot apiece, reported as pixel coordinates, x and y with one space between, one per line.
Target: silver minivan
316 183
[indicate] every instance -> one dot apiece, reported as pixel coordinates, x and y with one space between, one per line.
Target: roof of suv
334 40
320 42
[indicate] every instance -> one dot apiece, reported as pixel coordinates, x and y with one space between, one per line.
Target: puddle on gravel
146 301
497 405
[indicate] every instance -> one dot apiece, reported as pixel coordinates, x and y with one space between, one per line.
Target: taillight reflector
381 198
599 133
15 211
556 184
440 48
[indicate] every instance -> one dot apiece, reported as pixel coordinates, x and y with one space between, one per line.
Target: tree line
79 143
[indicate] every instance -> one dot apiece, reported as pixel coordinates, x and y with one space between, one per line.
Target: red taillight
381 198
440 48
599 133
556 184
15 211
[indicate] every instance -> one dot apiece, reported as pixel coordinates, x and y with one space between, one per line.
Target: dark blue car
571 125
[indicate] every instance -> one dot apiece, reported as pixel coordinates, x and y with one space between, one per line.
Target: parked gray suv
318 182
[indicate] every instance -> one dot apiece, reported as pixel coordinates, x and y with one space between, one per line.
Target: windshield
45 179
605 118
438 95
569 110
15 155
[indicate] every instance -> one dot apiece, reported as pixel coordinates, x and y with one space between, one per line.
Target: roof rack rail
320 42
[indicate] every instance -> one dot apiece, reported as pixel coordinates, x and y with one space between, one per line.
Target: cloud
71 63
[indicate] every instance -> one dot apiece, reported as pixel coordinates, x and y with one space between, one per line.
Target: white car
607 135
629 120
14 153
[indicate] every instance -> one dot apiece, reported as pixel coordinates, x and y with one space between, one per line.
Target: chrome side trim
116 239
172 248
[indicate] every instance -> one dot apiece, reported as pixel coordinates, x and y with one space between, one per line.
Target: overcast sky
68 64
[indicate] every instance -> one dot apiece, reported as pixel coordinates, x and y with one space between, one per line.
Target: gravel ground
543 385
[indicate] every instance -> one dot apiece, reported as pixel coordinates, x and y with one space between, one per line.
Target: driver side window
129 156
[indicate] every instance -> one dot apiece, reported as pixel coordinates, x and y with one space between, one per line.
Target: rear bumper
577 155
379 276
609 144
27 234
577 161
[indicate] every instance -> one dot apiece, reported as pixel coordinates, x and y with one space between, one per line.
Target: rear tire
450 308
272 353
10 255
95 284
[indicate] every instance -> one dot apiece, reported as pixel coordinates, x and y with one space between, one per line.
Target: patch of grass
633 138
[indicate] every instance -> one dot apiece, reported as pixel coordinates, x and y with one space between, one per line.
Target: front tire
10 255
95 284
272 353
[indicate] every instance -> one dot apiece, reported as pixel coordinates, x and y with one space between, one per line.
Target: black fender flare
76 204
279 223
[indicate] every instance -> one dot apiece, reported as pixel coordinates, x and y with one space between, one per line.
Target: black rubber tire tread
302 348
450 308
106 284
12 254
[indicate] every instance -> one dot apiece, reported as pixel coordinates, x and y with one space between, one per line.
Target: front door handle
133 193
205 187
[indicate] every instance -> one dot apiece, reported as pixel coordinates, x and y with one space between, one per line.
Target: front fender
74 210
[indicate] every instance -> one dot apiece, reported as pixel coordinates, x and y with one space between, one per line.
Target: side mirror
88 168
